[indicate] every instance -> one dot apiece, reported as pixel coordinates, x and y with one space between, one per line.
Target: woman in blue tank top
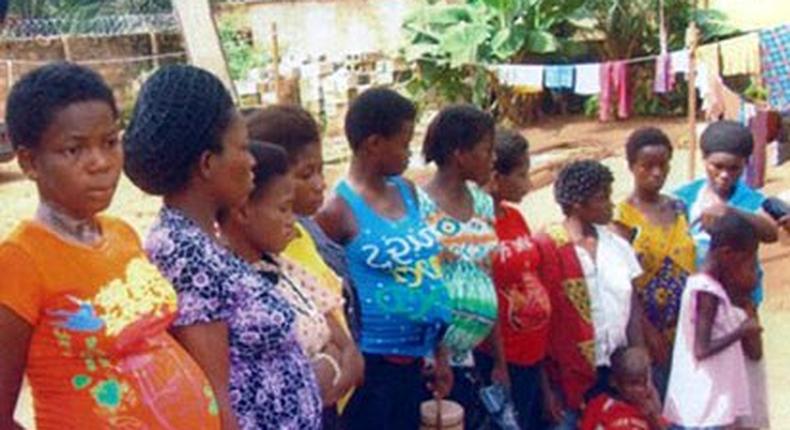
393 259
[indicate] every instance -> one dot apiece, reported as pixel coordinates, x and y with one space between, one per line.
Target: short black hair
456 127
727 136
271 161
510 148
38 96
579 181
377 111
625 360
732 231
181 112
644 137
288 126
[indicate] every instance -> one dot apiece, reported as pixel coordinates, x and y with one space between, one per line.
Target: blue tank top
395 267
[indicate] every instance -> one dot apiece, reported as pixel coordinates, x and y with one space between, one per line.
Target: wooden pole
66 47
692 37
154 48
278 90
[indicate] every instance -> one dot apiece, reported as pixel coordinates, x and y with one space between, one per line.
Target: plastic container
452 415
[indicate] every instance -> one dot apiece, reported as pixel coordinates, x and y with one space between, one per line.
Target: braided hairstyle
181 112
579 181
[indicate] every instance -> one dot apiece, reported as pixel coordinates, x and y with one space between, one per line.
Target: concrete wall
328 27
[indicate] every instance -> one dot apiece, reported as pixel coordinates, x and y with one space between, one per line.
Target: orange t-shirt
100 355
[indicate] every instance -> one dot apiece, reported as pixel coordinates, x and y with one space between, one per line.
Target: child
708 385
82 311
187 142
258 232
657 228
460 140
394 262
524 307
589 272
632 402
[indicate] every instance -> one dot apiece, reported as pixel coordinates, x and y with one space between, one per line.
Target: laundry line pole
692 41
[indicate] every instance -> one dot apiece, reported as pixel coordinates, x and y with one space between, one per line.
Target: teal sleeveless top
394 264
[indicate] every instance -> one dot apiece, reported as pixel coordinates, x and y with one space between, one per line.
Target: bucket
441 415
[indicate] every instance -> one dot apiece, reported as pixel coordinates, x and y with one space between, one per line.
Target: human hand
784 223
750 327
439 376
713 213
553 409
500 375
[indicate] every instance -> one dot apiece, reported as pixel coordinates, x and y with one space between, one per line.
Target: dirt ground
552 141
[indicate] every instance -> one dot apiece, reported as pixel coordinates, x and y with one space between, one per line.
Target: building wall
333 28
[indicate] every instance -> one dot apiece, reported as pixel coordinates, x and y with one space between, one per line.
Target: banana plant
452 44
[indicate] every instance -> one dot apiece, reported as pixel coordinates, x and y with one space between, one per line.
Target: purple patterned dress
272 385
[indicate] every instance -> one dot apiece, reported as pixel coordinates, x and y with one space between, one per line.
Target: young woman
187 142
589 272
657 228
394 262
82 311
258 232
460 140
524 306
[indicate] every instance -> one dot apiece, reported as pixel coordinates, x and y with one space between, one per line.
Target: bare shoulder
336 219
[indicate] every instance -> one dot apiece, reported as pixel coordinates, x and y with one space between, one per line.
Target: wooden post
278 90
692 38
66 47
154 48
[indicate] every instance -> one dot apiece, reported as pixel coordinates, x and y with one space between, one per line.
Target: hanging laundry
740 55
558 77
614 83
709 56
588 79
680 61
775 45
527 77
664 78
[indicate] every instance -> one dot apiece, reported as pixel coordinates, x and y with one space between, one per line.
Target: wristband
332 362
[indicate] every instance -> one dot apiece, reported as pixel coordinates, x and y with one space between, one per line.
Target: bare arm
499 373
336 220
634 330
208 345
752 343
767 230
704 344
15 336
352 364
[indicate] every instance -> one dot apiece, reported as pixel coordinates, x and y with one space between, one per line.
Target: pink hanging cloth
614 83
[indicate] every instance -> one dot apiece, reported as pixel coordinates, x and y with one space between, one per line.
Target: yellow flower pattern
143 292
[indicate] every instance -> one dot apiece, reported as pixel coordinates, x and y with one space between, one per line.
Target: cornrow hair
181 112
579 181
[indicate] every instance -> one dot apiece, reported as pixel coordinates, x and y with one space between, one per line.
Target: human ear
26 159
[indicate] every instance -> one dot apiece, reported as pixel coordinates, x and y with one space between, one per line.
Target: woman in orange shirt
82 312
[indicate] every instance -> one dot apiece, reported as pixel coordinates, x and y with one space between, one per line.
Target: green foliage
240 53
452 43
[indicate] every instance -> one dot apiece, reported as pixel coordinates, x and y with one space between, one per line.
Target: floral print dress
272 385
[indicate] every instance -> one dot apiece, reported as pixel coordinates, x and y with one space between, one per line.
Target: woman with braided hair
588 272
187 142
